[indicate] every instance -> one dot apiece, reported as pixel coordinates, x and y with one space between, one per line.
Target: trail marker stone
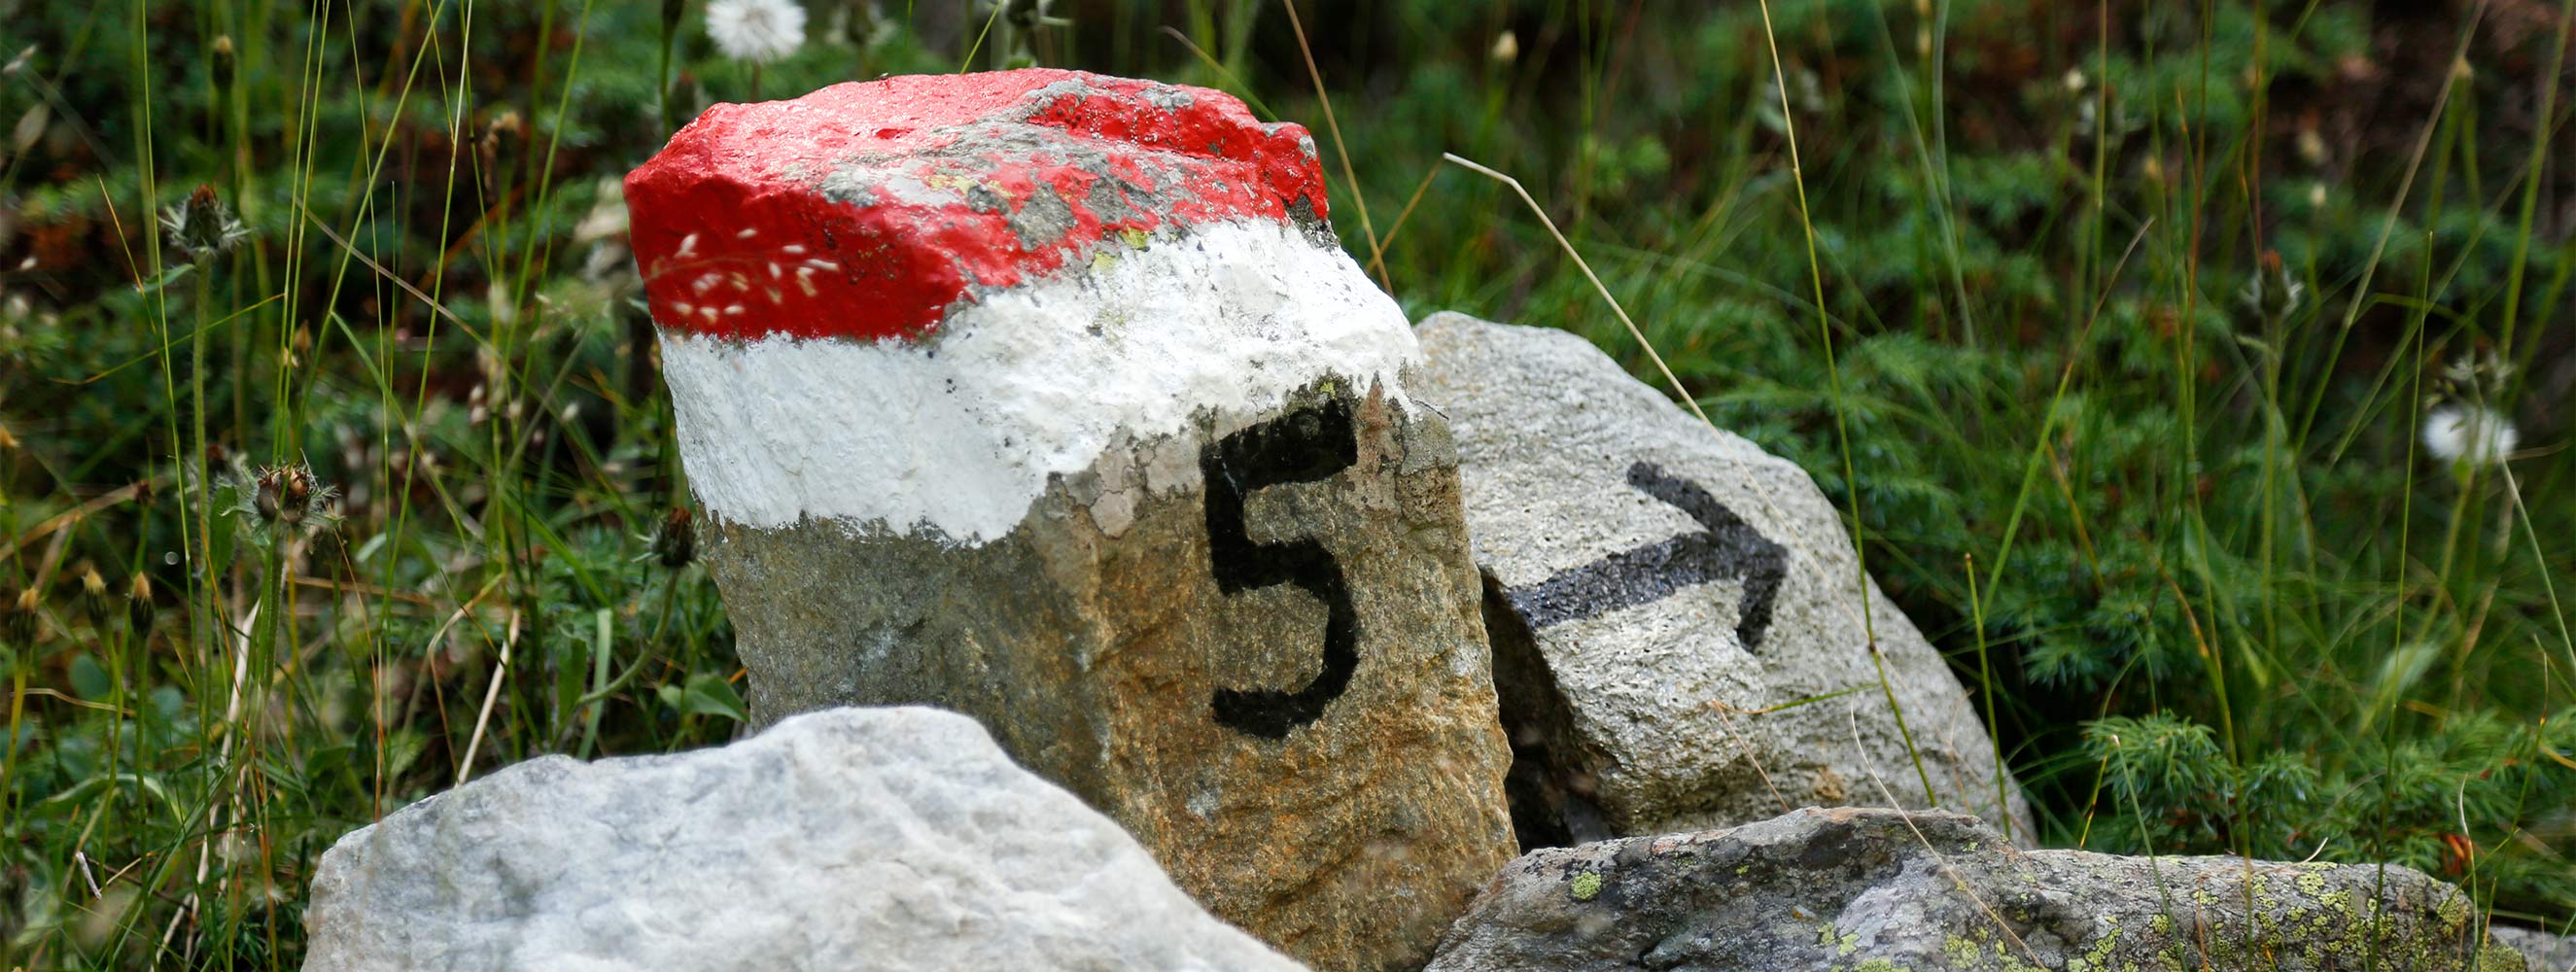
1675 615
1050 398
894 838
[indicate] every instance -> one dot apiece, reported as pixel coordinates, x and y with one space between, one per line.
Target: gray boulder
1679 634
1881 891
849 839
2541 951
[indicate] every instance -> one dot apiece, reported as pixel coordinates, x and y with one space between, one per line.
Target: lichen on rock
1856 890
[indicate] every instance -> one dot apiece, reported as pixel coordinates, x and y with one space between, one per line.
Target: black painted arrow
1728 548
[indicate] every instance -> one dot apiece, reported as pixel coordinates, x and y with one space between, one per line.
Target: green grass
2184 539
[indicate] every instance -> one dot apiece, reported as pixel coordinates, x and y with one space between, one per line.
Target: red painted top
864 210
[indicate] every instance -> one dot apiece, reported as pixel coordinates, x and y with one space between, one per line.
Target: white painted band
959 434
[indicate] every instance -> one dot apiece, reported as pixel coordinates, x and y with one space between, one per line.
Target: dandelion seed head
756 30
2472 434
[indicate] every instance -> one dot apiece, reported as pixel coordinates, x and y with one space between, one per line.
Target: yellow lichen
1587 885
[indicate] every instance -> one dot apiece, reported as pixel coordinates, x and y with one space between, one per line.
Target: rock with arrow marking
1682 638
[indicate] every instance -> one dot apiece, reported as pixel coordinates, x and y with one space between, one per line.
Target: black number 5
1305 447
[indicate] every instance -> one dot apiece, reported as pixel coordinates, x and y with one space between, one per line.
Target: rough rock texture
1661 597
1293 715
2541 951
851 839
865 209
1872 891
1147 497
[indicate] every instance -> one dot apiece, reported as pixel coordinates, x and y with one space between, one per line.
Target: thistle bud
138 602
18 622
93 597
284 494
290 496
2272 293
676 542
221 68
202 226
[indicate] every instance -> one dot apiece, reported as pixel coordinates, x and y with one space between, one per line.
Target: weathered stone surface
1874 891
2541 951
850 839
1153 505
1661 600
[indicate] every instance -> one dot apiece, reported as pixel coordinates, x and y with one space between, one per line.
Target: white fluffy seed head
756 30
2473 434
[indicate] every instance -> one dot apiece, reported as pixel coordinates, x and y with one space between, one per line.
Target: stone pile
1050 399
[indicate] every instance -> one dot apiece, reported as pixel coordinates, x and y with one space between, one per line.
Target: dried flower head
2472 434
291 495
758 31
201 226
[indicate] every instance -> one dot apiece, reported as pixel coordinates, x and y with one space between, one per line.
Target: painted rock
851 839
1050 398
1883 890
1679 631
